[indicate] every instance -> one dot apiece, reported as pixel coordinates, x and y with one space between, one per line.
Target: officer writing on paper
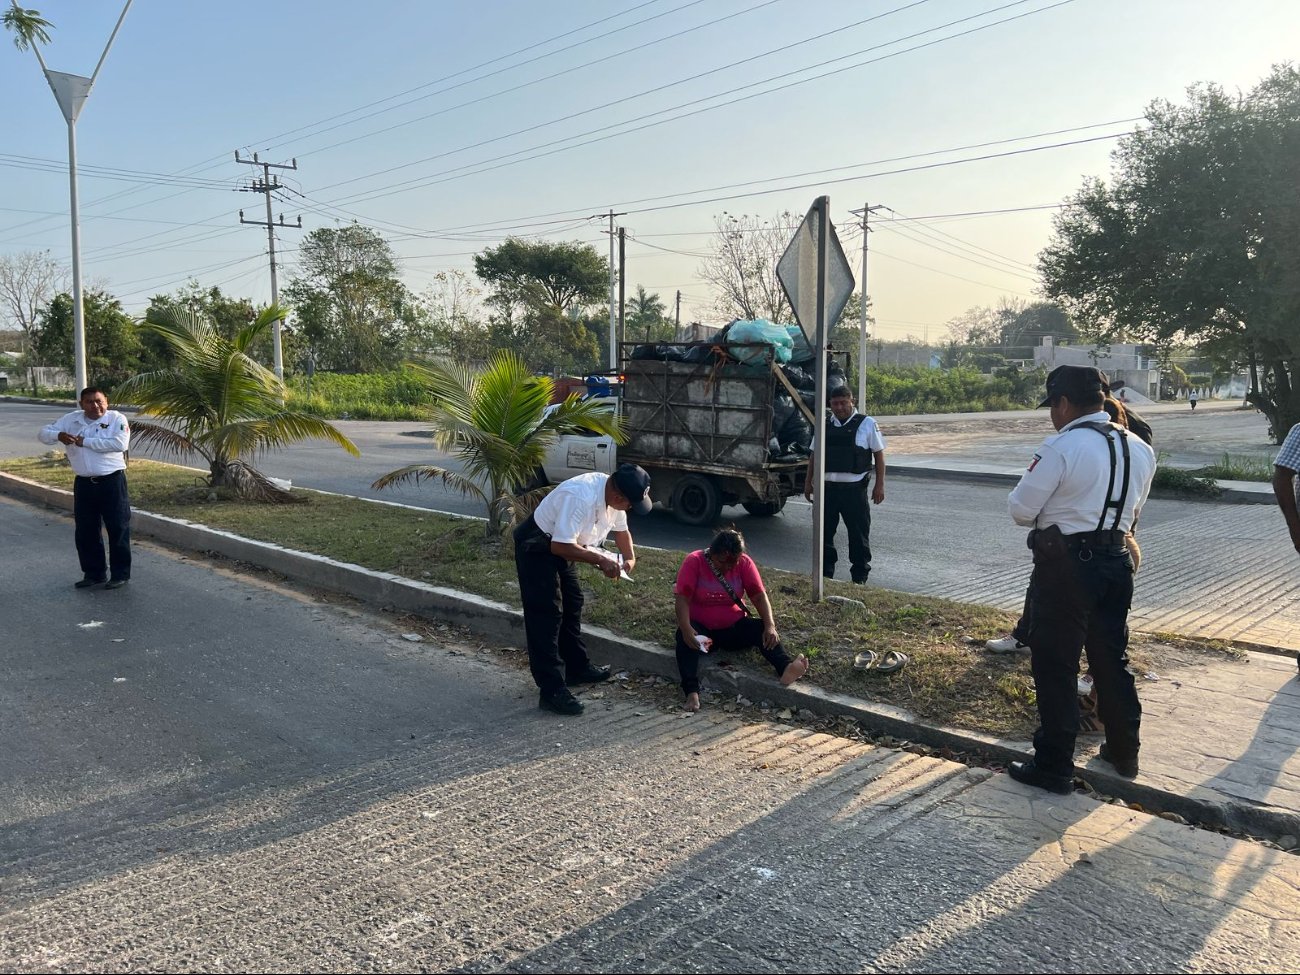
569 526
1082 494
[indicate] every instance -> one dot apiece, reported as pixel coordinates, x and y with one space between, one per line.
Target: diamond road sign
797 272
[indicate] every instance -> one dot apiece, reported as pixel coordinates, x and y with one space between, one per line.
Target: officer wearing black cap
570 525
1082 494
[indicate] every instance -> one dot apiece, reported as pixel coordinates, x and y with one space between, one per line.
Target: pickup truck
703 432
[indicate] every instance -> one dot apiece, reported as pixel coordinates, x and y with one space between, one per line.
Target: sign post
817 279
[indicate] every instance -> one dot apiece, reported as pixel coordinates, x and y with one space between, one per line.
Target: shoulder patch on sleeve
1034 463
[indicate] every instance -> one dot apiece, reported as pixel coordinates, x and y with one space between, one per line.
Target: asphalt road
204 772
925 532
937 537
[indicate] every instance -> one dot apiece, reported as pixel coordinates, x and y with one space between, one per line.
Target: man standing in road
854 446
1082 494
569 526
96 440
1285 468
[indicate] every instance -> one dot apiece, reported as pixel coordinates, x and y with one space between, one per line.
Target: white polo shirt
868 437
1066 482
576 512
104 446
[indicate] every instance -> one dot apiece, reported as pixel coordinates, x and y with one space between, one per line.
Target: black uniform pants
552 598
1082 605
102 502
744 634
847 500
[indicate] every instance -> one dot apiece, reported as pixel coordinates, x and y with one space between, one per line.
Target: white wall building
1124 364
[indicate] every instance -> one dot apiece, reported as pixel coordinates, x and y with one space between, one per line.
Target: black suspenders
1105 430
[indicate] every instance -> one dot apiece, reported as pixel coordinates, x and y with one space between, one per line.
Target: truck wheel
763 509
538 480
696 500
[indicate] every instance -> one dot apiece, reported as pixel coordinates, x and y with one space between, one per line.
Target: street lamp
71 92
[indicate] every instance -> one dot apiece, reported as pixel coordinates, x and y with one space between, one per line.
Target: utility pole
866 212
613 317
267 185
622 287
677 318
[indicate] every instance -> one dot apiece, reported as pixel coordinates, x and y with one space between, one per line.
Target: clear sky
447 125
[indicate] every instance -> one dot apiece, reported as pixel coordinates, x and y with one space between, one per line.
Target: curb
505 623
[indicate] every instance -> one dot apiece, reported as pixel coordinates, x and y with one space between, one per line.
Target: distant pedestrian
854 447
1191 399
1285 468
96 440
570 525
1082 494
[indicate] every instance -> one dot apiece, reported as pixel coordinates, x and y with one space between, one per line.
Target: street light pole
71 92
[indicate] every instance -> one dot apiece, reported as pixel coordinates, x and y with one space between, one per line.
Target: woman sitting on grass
711 613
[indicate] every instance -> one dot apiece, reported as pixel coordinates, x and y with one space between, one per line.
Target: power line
431 179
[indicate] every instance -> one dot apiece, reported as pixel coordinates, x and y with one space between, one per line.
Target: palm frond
266 318
29 26
252 485
415 473
164 440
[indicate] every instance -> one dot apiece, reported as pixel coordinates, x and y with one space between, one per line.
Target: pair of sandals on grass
890 663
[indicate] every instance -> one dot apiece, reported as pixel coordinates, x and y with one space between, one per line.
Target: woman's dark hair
728 541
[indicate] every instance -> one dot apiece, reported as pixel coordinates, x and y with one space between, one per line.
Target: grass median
950 678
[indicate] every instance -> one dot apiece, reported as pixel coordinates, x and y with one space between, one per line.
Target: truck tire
696 500
763 509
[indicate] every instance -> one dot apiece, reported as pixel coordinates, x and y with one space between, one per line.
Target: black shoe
116 583
1127 767
561 702
87 583
1030 774
592 675
859 580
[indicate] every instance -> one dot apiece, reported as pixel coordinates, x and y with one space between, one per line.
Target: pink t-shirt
711 604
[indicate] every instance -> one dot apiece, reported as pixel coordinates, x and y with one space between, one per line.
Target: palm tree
218 402
29 26
647 311
496 423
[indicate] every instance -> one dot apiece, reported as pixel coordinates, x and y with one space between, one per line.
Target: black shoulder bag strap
727 586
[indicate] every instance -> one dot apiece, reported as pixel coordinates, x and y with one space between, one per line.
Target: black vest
843 455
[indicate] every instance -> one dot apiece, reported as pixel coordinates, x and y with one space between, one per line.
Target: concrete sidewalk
1220 738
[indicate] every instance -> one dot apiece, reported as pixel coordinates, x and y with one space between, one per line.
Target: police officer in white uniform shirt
96 440
1082 494
854 446
569 526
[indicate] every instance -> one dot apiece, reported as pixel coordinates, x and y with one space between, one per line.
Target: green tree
229 316
563 275
645 318
217 402
1194 236
496 423
112 337
28 26
353 312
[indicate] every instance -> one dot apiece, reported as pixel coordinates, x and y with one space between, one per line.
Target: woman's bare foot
794 670
692 702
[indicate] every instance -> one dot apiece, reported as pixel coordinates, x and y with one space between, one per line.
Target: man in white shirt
854 447
1082 494
570 525
96 440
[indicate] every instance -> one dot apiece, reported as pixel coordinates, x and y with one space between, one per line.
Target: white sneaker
1007 644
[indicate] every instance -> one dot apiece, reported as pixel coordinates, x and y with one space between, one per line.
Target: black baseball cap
634 484
1075 383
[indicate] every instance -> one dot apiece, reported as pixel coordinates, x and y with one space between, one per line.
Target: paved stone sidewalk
1257 602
